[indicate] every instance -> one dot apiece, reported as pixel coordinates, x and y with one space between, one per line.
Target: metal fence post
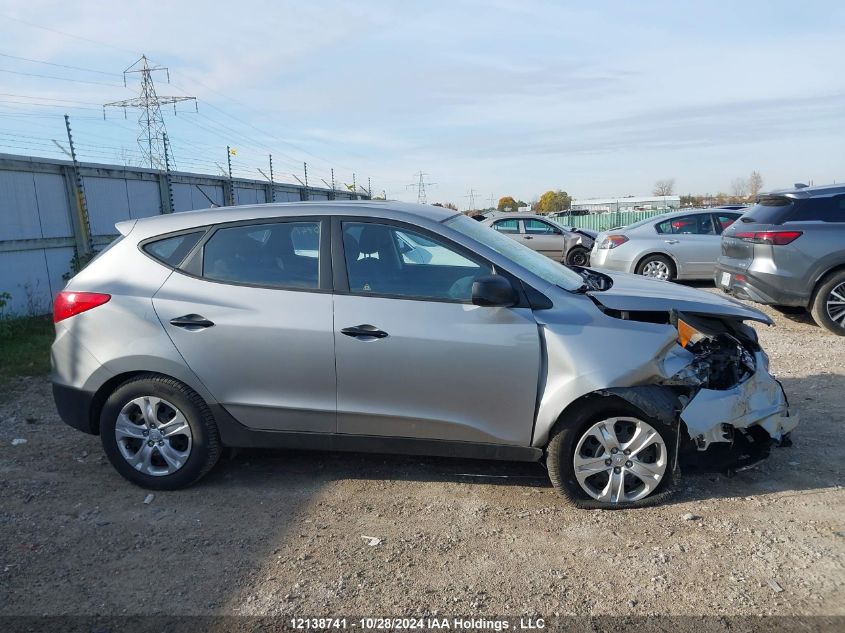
85 242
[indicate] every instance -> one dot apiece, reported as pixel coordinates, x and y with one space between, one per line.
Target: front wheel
158 433
611 455
578 256
828 307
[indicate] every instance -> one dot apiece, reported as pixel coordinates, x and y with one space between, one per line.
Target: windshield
540 265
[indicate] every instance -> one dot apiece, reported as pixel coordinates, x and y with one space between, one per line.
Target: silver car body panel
430 377
452 371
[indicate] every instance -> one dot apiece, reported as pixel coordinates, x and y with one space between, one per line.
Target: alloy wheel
657 270
620 459
835 305
153 436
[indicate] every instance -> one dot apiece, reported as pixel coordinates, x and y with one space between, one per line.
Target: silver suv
383 327
789 250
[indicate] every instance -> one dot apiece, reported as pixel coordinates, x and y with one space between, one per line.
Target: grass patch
25 347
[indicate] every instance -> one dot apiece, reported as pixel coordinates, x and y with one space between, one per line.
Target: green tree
507 204
553 202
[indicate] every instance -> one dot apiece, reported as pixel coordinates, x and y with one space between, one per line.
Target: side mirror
493 291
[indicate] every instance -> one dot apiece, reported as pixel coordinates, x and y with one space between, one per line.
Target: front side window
538 227
283 254
387 260
507 226
700 224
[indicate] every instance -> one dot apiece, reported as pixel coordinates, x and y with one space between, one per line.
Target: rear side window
831 209
701 224
724 220
173 250
283 254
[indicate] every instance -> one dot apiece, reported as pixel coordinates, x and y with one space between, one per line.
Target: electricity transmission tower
420 186
152 130
471 196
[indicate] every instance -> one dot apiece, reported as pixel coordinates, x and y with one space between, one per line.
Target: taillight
68 304
612 241
776 238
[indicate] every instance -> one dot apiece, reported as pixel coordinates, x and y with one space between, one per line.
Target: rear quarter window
171 251
829 209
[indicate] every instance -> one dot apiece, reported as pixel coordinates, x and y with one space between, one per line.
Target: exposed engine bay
732 409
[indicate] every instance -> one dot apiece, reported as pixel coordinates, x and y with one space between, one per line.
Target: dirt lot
281 533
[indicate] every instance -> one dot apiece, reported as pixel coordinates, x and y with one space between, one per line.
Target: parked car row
786 250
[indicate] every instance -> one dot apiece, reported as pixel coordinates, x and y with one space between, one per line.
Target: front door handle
528 237
671 241
364 331
191 322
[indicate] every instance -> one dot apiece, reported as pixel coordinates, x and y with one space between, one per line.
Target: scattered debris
149 498
689 516
372 541
775 586
18 441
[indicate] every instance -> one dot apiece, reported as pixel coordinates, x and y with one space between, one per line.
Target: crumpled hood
638 293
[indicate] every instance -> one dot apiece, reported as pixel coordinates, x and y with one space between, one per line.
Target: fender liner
657 401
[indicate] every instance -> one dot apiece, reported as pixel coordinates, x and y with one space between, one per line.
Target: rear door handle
671 241
364 331
191 322
528 237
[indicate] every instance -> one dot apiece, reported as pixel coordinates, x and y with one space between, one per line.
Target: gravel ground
271 533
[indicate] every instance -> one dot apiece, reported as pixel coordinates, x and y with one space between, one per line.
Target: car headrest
374 239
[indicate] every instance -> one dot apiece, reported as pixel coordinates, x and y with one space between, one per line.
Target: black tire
205 448
824 294
560 453
663 259
578 256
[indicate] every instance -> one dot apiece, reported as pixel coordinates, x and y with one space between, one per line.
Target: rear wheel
657 267
828 307
611 455
578 256
159 433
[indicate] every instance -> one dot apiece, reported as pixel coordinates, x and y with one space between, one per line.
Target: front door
415 358
255 323
543 238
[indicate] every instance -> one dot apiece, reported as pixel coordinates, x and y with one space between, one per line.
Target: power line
77 81
46 63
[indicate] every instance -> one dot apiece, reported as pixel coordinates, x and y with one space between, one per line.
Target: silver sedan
569 246
680 245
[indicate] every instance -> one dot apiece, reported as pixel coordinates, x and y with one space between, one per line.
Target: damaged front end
733 408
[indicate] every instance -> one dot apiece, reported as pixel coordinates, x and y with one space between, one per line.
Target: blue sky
503 98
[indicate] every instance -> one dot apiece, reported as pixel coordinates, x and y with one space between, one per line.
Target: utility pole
354 184
369 188
231 191
420 186
272 183
81 202
151 121
333 196
307 191
167 174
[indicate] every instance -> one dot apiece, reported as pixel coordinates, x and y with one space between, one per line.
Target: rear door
251 313
415 358
693 242
544 238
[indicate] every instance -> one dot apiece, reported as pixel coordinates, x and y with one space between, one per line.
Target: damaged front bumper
711 415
